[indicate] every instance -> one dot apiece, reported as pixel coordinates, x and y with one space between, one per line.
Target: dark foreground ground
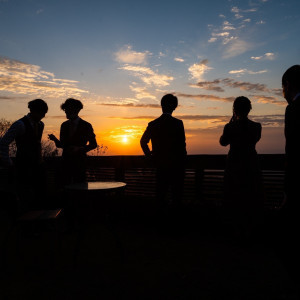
192 258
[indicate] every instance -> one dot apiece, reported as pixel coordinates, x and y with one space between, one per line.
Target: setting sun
125 139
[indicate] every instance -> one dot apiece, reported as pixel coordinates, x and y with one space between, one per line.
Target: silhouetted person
291 92
27 133
168 152
76 139
290 209
242 175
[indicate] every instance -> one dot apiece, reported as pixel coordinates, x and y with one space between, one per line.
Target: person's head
242 106
291 83
169 103
38 109
71 107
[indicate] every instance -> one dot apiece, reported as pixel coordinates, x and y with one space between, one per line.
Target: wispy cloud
7 98
22 78
232 34
237 10
204 97
236 47
197 70
39 11
269 100
141 92
128 56
131 105
246 71
214 85
269 120
214 121
179 59
266 56
148 76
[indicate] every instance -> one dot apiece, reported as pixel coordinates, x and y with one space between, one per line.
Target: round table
83 190
96 186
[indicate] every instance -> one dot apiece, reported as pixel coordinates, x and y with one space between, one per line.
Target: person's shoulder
65 123
176 120
254 124
155 121
18 123
85 124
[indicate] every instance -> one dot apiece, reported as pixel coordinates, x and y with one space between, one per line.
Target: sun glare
125 139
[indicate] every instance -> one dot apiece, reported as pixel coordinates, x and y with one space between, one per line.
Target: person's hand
52 137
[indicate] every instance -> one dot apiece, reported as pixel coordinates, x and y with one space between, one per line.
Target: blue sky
121 57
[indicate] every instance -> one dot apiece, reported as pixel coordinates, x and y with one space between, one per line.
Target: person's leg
162 185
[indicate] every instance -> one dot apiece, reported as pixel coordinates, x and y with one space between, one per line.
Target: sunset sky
120 57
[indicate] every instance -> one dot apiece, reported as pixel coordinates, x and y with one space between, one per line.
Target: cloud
134 117
214 121
229 82
246 71
141 92
216 85
269 120
22 78
221 34
58 117
128 56
179 59
277 92
266 56
227 26
7 98
203 97
237 10
236 47
133 105
212 40
148 76
197 70
269 100
209 85
39 11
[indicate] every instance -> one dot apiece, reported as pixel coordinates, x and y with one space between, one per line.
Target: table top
96 186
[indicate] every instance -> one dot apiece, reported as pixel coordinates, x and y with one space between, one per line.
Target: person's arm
57 142
12 133
145 139
91 139
225 139
258 136
182 134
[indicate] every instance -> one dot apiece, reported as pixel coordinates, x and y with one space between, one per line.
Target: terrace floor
192 258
